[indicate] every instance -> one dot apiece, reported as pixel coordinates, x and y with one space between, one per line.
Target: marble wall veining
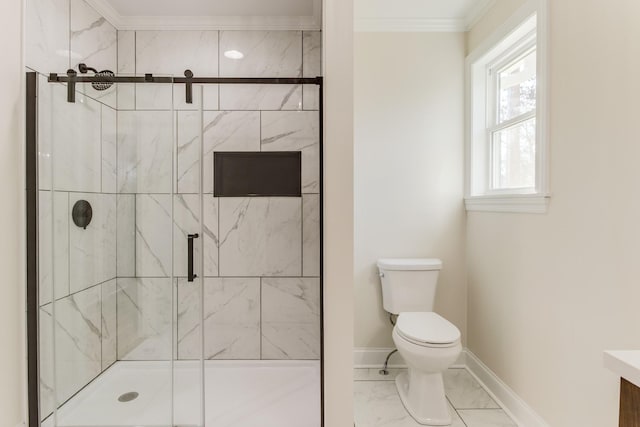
77 161
134 152
238 310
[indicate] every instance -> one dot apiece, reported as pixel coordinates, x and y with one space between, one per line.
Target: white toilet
429 343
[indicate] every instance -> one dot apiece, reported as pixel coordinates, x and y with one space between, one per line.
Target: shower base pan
236 394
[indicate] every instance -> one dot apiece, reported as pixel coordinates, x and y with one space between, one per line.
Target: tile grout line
261 339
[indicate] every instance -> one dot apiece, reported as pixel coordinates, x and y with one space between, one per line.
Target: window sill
512 203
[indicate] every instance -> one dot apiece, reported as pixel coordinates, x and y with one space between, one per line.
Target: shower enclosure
174 239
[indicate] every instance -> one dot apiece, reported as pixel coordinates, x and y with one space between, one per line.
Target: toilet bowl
429 345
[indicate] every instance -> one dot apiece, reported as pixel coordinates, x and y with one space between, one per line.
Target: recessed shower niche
222 329
257 174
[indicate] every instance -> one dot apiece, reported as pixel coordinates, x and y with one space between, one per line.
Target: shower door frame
32 205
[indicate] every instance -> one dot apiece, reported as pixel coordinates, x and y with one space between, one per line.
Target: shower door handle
190 238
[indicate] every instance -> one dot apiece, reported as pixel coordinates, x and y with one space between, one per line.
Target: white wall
548 293
11 216
338 212
498 14
408 168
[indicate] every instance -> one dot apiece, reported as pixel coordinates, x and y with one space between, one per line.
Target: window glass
517 88
514 156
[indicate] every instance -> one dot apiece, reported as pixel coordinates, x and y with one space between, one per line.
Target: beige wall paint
338 212
408 168
498 14
549 293
11 223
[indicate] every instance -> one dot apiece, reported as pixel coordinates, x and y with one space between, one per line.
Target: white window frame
526 28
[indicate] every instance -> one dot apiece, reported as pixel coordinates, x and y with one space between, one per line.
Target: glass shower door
164 300
121 263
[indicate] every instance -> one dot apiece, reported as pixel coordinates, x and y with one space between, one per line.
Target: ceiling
419 15
370 15
213 8
211 14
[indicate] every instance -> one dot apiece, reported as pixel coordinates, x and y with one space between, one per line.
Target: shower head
103 85
83 68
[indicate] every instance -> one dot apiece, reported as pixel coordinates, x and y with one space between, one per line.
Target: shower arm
83 68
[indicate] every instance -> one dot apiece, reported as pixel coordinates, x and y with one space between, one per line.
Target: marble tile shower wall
261 289
77 160
108 286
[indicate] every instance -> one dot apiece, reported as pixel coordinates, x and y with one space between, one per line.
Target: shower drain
128 397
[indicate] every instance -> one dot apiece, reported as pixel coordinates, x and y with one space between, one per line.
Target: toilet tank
409 285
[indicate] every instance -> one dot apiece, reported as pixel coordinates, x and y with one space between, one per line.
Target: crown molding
410 25
442 25
203 23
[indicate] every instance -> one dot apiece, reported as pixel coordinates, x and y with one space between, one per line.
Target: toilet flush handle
381 274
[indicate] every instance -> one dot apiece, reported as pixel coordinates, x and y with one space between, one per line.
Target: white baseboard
513 405
375 357
517 408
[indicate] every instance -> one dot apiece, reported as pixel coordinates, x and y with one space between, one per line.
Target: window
506 147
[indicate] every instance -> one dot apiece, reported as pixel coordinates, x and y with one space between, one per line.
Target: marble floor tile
486 418
377 404
464 392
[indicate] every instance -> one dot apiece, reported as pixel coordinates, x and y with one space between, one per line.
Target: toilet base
427 403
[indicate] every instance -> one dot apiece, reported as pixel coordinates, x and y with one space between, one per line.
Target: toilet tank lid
410 264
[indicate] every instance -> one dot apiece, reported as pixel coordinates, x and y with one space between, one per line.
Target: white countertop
624 363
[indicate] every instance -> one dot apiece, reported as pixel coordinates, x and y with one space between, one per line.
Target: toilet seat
427 329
